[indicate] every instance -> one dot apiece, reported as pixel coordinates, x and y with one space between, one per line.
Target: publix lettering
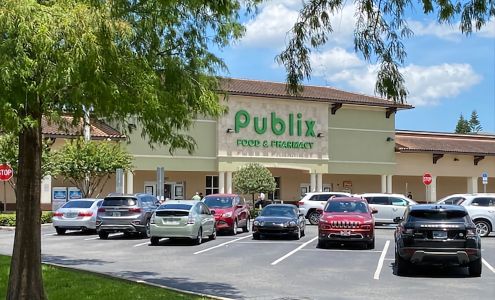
294 123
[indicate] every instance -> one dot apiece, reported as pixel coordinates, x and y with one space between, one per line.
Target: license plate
439 234
70 215
345 233
116 214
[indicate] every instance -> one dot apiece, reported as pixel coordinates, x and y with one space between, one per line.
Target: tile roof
99 130
257 88
437 142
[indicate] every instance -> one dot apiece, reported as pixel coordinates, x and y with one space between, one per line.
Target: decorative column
221 182
130 182
472 185
384 184
319 182
46 190
389 184
313 182
432 190
229 182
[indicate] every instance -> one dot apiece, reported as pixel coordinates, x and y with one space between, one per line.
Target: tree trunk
25 281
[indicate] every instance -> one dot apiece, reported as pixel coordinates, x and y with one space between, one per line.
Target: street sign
484 177
427 178
6 172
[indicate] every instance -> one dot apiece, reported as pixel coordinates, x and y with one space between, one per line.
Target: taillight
85 214
190 219
101 209
300 203
135 209
58 214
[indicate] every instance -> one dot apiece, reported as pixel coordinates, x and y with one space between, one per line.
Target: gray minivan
125 213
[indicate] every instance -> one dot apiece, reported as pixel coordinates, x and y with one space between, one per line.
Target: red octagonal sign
427 179
6 172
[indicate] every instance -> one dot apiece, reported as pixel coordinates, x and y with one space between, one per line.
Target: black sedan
279 219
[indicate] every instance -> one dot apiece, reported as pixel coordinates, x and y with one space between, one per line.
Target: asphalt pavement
239 267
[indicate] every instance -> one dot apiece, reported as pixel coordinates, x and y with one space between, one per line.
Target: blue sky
447 74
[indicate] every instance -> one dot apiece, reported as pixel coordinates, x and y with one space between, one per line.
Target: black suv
437 234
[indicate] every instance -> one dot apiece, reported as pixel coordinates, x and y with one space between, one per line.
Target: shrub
9 219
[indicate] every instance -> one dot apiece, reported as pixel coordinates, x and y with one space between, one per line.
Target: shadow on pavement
65 261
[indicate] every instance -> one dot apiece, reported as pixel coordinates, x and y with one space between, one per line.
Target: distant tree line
472 125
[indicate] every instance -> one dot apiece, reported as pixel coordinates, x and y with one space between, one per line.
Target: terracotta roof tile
99 130
474 144
310 93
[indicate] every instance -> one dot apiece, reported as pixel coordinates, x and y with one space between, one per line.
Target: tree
88 165
148 60
379 34
474 123
462 126
254 178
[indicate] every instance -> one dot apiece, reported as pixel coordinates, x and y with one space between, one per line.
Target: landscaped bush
9 219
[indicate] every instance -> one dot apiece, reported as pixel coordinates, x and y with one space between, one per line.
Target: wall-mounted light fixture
230 130
390 139
320 135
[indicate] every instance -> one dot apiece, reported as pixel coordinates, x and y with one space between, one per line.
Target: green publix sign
294 125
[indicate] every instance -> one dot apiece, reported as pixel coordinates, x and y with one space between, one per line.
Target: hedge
9 219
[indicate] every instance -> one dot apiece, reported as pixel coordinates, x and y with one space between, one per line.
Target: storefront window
211 185
275 195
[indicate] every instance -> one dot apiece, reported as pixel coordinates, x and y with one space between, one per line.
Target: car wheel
371 245
321 244
234 228
256 236
402 265
60 231
248 224
483 228
103 235
213 236
147 231
314 217
303 233
475 268
297 235
199 239
154 240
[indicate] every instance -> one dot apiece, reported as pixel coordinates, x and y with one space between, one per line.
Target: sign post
6 173
427 179
484 178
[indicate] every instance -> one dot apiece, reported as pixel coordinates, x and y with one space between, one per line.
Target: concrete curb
138 281
7 228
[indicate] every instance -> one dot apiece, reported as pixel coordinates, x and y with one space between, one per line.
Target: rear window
176 213
436 215
176 206
119 202
78 204
378 200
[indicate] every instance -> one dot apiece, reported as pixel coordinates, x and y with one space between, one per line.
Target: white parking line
488 265
49 234
97 237
222 244
380 261
293 251
343 250
142 244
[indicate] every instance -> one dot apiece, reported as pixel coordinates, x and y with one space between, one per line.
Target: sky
447 74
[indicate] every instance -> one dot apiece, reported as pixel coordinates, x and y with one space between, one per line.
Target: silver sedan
77 214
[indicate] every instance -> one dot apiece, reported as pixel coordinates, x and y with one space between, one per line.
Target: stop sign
427 179
6 172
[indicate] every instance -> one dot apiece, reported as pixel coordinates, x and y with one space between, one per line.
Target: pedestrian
196 196
260 202
201 195
409 195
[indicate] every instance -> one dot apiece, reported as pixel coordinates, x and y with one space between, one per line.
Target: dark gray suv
125 213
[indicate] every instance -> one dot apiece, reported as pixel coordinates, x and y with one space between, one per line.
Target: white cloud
489 29
450 31
427 85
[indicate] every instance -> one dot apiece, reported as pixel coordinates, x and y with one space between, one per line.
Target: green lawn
66 284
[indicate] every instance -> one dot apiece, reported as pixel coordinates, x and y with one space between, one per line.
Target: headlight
256 223
227 215
292 223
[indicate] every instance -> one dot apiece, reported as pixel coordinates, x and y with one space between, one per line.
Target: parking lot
241 268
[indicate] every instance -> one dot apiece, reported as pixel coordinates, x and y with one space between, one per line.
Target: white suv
481 208
311 202
389 206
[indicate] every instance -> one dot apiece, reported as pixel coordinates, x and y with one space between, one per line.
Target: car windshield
78 204
346 207
437 215
119 202
218 202
178 206
278 211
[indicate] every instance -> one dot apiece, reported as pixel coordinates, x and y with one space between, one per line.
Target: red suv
347 219
231 212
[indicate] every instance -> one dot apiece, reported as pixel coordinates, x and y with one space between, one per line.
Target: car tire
256 236
233 230
154 240
103 235
199 239
475 268
314 217
371 245
246 227
321 244
402 266
60 231
213 236
297 235
303 233
483 228
147 229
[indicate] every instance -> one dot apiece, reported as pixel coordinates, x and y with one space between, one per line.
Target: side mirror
397 219
212 212
374 210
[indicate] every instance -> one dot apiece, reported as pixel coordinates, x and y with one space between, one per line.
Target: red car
347 219
231 212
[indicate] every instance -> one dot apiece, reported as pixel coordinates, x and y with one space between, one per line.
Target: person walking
196 196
